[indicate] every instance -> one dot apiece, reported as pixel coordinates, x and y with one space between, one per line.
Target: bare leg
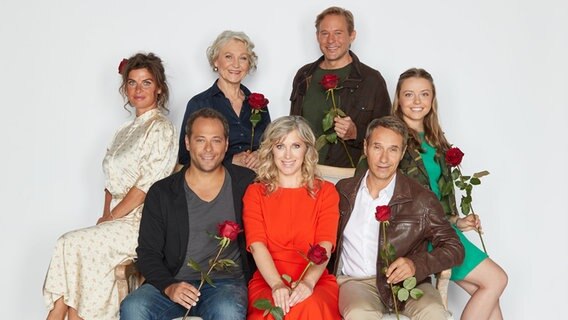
485 284
59 310
73 315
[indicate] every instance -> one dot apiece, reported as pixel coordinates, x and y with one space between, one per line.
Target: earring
215 69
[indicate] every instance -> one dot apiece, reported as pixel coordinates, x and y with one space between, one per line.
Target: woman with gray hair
232 56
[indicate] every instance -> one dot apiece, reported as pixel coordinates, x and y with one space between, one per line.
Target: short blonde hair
226 36
277 130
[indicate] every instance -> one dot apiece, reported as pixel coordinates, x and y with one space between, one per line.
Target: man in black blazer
180 213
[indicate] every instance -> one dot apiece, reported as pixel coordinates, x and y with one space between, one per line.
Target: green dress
424 166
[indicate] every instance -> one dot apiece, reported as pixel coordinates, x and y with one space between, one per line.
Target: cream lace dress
82 267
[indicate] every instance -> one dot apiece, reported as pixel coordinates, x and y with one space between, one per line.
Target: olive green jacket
412 166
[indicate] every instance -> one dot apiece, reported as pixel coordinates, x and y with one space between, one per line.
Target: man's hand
183 293
469 222
400 269
345 128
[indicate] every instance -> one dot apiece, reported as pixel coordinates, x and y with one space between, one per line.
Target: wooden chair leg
127 278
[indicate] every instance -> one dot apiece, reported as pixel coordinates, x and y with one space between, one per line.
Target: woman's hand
469 222
246 159
302 290
281 296
104 218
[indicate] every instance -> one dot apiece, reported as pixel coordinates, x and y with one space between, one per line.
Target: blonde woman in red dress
288 209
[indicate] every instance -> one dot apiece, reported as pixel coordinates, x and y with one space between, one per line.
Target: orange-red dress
287 221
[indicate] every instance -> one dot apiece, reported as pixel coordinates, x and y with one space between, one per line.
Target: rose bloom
257 101
229 229
317 254
383 213
122 65
454 156
329 81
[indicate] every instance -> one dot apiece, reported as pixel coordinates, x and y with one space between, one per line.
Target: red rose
122 65
454 157
329 81
317 254
257 101
229 229
383 213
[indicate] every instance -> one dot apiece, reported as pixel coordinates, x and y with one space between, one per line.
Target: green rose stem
384 227
251 138
479 233
303 273
224 243
335 108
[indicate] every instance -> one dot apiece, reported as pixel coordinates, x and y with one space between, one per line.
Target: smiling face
415 101
233 62
334 40
384 149
142 90
206 144
289 156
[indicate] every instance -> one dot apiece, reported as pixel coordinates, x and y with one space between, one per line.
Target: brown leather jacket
364 97
417 217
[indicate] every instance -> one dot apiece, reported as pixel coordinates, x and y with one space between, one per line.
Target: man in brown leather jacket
362 92
416 218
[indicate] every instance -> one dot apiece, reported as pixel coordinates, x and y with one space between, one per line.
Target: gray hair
226 36
389 122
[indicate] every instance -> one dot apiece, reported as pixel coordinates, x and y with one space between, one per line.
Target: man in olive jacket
362 92
416 218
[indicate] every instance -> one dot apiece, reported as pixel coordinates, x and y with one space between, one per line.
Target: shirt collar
387 191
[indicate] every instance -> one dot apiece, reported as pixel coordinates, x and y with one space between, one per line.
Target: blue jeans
227 301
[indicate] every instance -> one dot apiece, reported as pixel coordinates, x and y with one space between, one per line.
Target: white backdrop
500 69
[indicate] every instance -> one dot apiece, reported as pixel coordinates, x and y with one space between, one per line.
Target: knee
432 311
357 313
501 281
227 309
134 307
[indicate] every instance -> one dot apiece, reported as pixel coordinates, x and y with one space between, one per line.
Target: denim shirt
240 127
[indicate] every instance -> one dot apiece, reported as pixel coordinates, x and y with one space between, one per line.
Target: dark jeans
227 301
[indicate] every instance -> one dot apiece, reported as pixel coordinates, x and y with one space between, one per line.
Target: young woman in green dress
415 103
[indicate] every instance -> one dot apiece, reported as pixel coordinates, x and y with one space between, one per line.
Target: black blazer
164 231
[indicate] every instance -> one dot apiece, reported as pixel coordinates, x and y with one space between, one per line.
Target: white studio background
500 69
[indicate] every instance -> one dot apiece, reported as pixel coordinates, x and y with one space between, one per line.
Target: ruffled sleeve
158 153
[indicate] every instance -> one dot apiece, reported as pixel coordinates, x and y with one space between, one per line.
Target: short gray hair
226 36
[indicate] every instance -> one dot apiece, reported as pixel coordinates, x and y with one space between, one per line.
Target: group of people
264 176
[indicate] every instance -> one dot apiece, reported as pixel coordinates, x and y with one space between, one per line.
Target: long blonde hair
277 130
432 131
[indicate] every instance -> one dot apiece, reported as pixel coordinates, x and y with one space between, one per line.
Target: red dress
287 221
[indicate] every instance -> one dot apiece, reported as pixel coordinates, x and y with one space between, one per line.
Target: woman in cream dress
80 279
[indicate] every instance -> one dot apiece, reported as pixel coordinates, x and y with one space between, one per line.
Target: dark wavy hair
154 65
